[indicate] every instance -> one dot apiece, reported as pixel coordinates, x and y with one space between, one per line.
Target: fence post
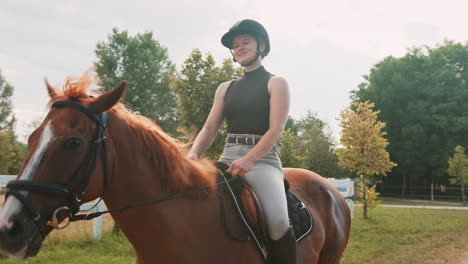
432 192
97 223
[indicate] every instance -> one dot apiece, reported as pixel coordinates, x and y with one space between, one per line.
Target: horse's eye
73 143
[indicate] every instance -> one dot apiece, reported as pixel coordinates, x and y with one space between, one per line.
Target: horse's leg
337 240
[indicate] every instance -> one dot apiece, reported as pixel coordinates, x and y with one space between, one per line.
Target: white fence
97 222
346 188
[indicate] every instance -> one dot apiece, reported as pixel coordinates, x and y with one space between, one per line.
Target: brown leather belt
243 140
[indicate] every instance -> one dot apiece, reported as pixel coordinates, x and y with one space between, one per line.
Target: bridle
82 174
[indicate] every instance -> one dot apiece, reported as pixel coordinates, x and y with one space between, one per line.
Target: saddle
250 212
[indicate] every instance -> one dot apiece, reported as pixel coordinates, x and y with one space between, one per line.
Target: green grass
402 235
392 235
113 249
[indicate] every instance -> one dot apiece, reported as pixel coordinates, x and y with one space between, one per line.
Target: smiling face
245 48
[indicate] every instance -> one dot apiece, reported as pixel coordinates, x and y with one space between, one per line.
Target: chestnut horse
67 165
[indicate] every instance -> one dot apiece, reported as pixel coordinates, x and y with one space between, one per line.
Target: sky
322 48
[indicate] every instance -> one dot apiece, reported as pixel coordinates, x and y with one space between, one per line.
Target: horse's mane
176 172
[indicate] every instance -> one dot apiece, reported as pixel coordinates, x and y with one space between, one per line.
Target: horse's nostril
17 229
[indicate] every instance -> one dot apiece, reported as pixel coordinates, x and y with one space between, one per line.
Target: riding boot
284 250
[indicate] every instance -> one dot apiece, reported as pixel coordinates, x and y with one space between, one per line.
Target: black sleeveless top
247 103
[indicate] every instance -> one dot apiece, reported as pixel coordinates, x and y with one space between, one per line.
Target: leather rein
83 173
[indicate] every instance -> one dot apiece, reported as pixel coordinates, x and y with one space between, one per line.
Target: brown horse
142 163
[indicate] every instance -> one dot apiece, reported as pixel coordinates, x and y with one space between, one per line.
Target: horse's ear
50 89
108 99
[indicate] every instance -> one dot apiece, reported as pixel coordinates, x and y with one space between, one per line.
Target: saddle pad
299 215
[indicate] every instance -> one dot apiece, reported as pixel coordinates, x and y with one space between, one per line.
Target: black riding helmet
248 26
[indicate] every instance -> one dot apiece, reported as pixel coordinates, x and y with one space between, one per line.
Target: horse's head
58 174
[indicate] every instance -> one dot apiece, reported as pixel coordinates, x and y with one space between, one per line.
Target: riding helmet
247 26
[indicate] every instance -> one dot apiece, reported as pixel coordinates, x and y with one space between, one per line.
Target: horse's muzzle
23 239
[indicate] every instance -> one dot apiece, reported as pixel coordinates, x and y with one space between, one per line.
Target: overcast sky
321 47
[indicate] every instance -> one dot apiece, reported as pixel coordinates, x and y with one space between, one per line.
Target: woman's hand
241 166
192 156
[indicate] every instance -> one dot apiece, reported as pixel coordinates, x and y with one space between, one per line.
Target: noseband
82 174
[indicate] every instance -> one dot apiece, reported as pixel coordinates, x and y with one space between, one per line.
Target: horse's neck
132 177
158 231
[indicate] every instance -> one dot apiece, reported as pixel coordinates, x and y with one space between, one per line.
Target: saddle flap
251 208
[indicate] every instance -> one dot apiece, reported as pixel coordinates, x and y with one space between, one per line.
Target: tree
7 118
458 169
364 148
288 148
421 97
12 153
316 147
195 91
145 64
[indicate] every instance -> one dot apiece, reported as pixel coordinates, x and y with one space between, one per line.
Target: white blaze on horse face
12 205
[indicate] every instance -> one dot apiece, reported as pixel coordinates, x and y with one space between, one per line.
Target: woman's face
244 48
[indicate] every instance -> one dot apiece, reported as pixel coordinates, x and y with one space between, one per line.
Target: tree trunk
364 198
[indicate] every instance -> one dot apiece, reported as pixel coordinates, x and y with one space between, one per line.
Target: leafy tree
6 152
195 89
288 148
458 169
364 147
317 147
7 118
422 98
144 63
12 153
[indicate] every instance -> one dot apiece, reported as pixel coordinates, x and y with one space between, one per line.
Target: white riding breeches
266 179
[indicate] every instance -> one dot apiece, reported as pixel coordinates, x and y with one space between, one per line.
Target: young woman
256 108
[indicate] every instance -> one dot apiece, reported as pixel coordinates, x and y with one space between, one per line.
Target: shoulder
222 88
277 83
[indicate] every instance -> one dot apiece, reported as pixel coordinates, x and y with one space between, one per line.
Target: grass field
392 235
402 235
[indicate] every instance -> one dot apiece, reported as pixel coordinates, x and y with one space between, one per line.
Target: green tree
364 148
422 99
458 169
195 89
316 147
7 118
144 63
288 148
12 153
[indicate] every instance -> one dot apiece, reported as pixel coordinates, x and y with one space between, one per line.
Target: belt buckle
237 140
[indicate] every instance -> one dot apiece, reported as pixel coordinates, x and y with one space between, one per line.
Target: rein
130 206
87 168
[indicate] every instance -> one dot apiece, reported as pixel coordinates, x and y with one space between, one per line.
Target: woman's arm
213 122
279 110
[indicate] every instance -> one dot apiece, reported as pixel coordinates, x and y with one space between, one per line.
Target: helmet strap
233 58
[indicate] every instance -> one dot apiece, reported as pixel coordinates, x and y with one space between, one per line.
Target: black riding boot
284 250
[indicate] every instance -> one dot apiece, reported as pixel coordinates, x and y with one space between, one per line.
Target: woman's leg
268 184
